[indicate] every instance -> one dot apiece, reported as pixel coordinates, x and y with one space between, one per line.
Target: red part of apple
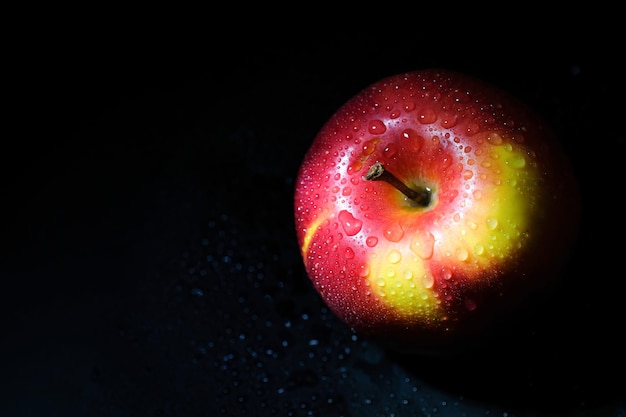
496 218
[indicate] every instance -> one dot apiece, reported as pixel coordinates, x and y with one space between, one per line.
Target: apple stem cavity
377 172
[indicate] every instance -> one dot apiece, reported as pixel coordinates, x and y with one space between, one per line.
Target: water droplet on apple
446 273
394 256
364 270
355 167
449 121
470 304
349 253
428 280
517 162
492 223
377 127
369 147
477 194
462 254
390 150
494 139
408 274
350 224
479 249
371 241
394 233
427 116
423 243
380 282
346 191
467 174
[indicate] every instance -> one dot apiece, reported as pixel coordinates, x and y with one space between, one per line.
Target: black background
149 265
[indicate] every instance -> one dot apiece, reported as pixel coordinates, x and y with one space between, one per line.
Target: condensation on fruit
394 232
377 127
350 224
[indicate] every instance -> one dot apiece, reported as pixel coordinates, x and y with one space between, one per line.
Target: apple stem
378 173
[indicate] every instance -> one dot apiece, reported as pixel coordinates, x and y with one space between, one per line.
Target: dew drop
377 127
371 241
408 274
355 167
369 147
494 139
446 273
449 120
492 223
346 191
394 233
470 304
479 249
422 244
477 194
517 162
350 224
380 282
462 254
394 256
349 253
428 280
390 150
427 116
364 270
467 174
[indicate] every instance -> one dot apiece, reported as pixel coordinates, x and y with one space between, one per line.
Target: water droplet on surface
394 233
492 223
364 270
494 139
467 174
446 273
517 162
462 254
371 241
369 147
377 127
428 280
350 224
449 120
479 249
346 191
408 274
427 116
423 243
470 304
394 256
390 150
349 253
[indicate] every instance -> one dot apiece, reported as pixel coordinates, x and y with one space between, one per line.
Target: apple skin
500 225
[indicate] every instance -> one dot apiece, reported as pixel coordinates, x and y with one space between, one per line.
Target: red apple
431 205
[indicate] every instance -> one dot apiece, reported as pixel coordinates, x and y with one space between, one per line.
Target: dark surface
149 262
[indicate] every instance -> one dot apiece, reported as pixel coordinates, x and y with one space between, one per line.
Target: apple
432 205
